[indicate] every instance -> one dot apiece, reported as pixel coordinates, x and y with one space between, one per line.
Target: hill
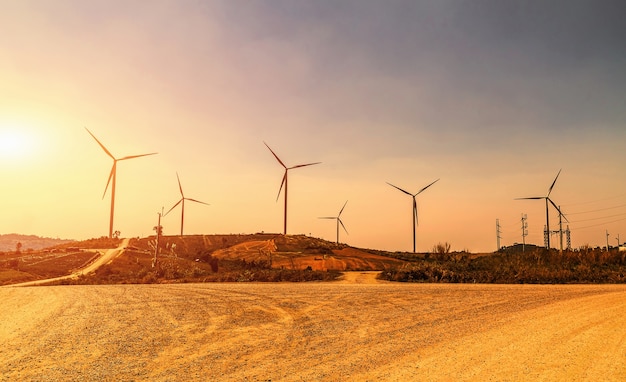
9 242
197 258
296 252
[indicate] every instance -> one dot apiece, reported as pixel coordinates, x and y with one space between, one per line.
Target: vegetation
36 265
537 266
223 258
135 267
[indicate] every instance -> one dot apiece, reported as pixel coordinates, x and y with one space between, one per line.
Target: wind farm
458 108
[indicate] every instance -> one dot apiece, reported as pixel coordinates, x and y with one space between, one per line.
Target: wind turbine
547 198
284 182
338 218
112 177
414 205
182 203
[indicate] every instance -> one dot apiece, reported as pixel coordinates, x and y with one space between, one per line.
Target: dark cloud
494 64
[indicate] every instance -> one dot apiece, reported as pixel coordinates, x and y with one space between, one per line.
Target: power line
602 217
600 209
599 224
595 201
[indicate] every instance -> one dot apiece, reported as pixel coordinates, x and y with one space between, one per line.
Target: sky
493 98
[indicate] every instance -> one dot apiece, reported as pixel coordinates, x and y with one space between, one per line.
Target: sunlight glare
15 143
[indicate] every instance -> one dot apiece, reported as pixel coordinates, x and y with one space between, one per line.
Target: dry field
355 329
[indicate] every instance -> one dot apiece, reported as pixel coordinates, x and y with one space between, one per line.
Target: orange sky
494 101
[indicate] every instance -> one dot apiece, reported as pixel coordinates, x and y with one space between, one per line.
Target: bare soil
355 329
337 259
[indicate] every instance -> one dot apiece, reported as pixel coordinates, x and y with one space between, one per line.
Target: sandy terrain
350 330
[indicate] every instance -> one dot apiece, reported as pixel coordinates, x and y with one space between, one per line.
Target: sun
14 143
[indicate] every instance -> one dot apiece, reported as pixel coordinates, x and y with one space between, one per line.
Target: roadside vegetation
513 266
135 267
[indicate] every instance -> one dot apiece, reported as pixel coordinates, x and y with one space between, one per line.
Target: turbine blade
111 175
304 165
136 156
174 206
415 211
197 201
344 206
179 186
552 186
420 191
281 184
100 143
531 198
406 192
558 209
275 156
327 217
344 227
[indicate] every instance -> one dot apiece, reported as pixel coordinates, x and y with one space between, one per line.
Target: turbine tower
284 182
415 222
548 200
338 218
182 203
112 177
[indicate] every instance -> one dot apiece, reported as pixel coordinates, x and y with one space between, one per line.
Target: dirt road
313 332
107 256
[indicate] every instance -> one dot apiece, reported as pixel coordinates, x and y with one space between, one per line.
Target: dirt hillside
341 259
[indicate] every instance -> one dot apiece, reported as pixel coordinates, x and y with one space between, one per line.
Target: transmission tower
568 238
498 231
546 237
524 231
560 231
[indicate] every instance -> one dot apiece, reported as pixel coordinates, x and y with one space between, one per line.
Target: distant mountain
9 242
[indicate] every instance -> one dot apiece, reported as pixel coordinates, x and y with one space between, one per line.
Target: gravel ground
350 330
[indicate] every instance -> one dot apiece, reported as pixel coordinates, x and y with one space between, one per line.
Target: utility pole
524 232
618 242
498 237
159 231
607 240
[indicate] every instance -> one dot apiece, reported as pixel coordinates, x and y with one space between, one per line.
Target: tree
18 248
442 250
